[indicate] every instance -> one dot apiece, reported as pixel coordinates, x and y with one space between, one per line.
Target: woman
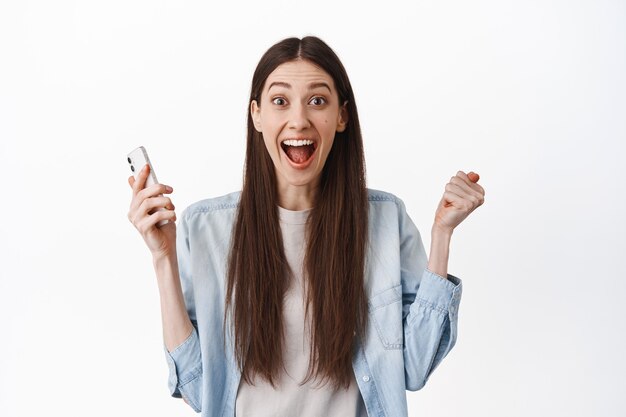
306 293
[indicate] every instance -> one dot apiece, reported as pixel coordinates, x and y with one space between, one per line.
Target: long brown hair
337 231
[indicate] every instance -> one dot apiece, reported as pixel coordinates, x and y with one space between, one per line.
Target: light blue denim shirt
412 311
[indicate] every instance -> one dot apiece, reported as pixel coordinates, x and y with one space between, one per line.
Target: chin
300 180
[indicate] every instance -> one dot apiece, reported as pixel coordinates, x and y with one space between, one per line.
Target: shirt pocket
385 314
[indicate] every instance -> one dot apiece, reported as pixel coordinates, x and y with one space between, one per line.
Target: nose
298 117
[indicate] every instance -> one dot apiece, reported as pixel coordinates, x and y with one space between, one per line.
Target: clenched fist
462 196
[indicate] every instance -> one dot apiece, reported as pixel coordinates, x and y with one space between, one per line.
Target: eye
318 101
278 100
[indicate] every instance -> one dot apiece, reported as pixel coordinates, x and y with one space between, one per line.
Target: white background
529 94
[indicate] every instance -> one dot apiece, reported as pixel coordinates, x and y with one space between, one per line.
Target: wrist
164 265
439 250
441 232
161 258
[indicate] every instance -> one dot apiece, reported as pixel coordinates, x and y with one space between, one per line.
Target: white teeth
294 142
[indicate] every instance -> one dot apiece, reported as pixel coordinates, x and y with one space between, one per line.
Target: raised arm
462 196
161 241
431 296
171 260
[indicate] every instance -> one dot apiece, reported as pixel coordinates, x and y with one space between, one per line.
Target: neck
297 197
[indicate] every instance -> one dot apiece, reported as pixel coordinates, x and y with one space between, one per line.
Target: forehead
299 73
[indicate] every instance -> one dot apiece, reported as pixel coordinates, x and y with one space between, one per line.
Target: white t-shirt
290 398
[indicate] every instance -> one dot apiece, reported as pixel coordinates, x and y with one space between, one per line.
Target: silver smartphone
137 158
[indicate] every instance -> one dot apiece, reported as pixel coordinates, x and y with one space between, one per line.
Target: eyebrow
312 86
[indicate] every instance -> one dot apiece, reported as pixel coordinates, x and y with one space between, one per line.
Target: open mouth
299 151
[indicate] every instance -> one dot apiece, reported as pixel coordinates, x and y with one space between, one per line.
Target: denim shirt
412 311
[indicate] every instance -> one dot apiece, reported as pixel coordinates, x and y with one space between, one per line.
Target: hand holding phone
137 159
148 206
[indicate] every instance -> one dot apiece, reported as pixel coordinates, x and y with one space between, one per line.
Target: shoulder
226 202
384 197
385 207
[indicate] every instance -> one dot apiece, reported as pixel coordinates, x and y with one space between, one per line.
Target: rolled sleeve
430 307
431 328
185 370
440 293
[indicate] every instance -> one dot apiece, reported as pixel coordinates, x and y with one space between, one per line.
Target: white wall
529 94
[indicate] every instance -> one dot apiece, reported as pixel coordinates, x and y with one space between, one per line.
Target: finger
150 221
141 179
470 196
154 203
154 190
473 177
465 186
472 184
453 199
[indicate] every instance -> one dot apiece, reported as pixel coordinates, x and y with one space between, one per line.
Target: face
298 114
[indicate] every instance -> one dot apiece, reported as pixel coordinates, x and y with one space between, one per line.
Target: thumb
474 177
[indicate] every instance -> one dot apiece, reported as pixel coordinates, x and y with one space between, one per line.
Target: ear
342 120
255 112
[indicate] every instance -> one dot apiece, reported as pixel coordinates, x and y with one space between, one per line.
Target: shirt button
366 378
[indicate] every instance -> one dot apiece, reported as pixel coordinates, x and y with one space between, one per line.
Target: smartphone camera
132 168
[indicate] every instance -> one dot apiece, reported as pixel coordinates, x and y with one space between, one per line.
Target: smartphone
137 158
